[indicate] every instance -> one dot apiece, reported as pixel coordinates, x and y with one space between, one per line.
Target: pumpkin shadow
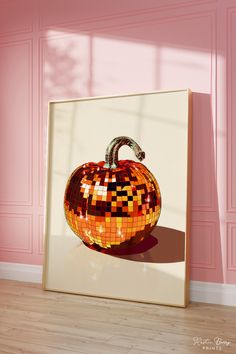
163 245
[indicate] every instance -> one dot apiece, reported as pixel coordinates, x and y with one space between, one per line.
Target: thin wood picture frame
78 132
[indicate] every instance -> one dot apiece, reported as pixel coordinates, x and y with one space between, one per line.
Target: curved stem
111 156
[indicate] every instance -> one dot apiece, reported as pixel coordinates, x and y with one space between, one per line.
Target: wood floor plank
12 346
33 321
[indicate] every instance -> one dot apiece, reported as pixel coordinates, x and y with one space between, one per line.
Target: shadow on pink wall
206 247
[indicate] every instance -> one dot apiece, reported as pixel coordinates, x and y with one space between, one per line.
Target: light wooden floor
33 321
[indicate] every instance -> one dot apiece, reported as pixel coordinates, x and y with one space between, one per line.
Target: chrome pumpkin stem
111 157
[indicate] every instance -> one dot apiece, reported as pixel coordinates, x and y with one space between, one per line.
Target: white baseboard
212 293
21 272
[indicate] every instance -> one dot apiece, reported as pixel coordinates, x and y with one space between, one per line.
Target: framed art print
118 197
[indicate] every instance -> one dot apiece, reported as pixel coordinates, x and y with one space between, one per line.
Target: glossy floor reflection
163 245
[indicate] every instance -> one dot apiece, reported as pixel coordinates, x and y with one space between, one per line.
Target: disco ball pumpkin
113 203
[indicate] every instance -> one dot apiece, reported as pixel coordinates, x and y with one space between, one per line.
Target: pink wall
73 48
